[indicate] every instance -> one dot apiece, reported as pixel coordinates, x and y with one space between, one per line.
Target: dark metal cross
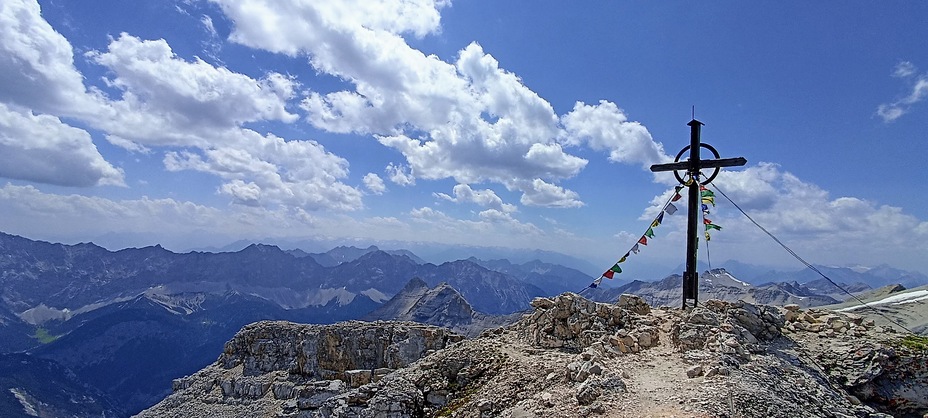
693 181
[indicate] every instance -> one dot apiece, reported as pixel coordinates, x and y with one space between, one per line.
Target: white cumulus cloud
807 218
537 192
400 175
164 101
167 100
463 193
270 170
43 149
374 184
469 120
605 127
37 64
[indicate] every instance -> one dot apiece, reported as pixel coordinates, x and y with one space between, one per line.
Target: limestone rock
634 304
569 357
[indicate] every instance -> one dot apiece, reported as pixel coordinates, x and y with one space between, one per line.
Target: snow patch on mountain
896 299
720 277
376 295
179 304
42 313
28 407
325 295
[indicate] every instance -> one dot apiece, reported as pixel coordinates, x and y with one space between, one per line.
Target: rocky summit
570 357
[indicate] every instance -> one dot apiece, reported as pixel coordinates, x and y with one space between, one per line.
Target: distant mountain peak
264 248
441 305
415 283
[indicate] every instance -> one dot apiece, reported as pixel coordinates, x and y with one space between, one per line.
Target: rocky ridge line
574 357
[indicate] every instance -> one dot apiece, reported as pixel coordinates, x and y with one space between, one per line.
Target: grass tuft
915 342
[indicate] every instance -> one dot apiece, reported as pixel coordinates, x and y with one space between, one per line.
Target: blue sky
513 124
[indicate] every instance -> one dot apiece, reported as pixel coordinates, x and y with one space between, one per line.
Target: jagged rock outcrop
281 368
575 357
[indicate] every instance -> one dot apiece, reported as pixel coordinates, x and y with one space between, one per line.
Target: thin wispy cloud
917 92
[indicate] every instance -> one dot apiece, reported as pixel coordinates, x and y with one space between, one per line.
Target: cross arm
685 165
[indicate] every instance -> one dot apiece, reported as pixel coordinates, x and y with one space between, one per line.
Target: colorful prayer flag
709 200
649 233
670 209
635 249
707 193
612 271
713 226
596 283
676 197
624 257
643 240
660 218
708 237
706 221
705 208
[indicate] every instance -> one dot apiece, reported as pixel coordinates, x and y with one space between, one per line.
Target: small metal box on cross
693 181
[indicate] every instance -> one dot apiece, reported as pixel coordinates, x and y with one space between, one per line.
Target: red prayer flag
608 274
643 240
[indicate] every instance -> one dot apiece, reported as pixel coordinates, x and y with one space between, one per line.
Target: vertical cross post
691 272
694 202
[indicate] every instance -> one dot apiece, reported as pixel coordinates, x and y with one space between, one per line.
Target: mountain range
431 252
881 275
128 322
722 285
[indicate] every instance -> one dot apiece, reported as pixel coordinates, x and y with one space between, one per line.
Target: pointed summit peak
415 283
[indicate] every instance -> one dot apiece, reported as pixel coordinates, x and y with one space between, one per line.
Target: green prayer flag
713 226
649 233
616 268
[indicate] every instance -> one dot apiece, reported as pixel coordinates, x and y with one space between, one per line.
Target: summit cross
693 181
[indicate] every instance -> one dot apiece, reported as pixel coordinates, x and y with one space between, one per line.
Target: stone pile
737 328
828 323
572 322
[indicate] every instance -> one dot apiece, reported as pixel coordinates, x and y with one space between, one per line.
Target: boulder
634 304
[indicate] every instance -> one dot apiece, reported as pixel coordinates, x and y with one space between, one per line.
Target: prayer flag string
707 197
